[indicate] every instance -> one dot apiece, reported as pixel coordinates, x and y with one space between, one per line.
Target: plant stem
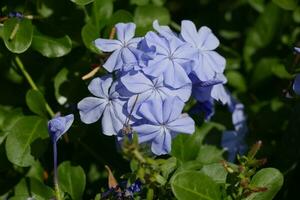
55 177
175 26
32 83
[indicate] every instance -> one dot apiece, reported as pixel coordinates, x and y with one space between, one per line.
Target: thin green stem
32 83
57 193
175 26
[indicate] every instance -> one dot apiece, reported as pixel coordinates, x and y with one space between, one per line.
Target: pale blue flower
106 103
297 49
234 141
164 31
123 48
173 60
144 88
162 120
296 84
209 62
59 125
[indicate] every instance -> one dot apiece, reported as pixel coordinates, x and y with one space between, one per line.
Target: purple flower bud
58 126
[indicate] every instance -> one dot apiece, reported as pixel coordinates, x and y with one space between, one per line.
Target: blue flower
124 48
234 141
106 103
147 89
209 62
164 31
173 59
297 49
162 120
59 125
296 84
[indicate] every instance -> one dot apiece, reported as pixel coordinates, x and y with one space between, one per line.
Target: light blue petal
113 62
183 124
162 143
172 108
296 85
107 45
100 86
111 124
136 83
59 126
207 40
163 30
157 66
128 56
183 92
125 32
219 93
160 43
175 76
151 110
146 132
189 33
214 61
297 49
91 109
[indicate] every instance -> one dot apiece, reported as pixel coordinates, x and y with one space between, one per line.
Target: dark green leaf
270 178
89 34
101 12
71 180
51 47
286 4
145 15
17 34
82 2
236 80
36 102
280 71
191 185
23 134
139 2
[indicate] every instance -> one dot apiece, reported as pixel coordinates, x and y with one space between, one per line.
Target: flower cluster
152 77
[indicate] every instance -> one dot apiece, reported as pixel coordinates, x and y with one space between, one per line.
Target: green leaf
209 154
191 185
22 38
18 144
258 5
51 47
280 71
270 178
31 187
36 102
216 171
71 180
263 70
262 33
139 2
9 121
101 12
82 2
89 34
59 79
236 80
145 15
186 147
286 4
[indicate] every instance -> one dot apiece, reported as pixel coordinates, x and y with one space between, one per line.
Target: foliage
46 51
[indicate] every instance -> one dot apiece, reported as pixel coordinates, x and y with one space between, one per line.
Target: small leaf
280 71
36 102
216 171
31 187
286 4
209 154
236 80
23 134
270 178
22 39
89 34
59 79
145 15
101 13
191 185
82 2
71 180
51 47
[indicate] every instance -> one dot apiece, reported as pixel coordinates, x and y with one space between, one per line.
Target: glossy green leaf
102 10
89 34
17 34
236 80
18 144
51 47
270 178
36 102
210 154
145 15
71 180
59 79
216 171
286 4
10 119
82 2
191 185
32 187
